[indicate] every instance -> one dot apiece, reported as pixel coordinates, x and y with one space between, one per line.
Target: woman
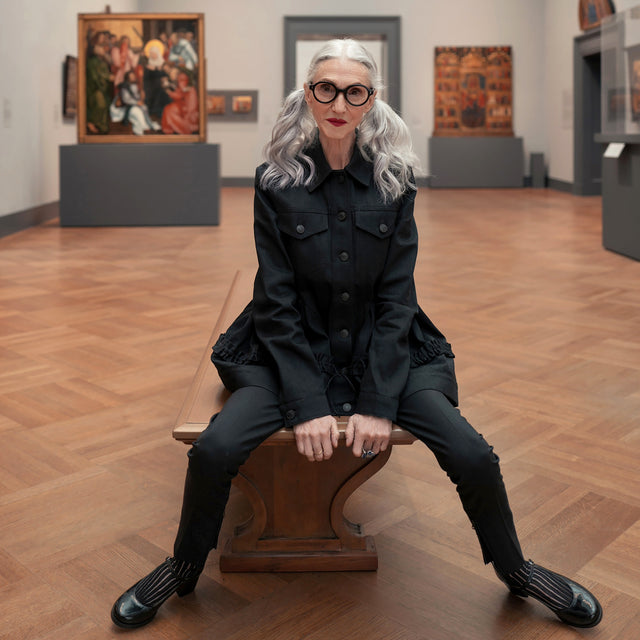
334 328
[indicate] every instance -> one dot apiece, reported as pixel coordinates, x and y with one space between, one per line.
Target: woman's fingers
316 439
366 435
370 435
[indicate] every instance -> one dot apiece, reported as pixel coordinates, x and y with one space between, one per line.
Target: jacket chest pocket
373 234
306 238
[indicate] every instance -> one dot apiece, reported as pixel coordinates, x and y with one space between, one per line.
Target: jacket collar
358 168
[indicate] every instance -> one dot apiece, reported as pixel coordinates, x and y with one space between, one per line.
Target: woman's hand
367 433
317 438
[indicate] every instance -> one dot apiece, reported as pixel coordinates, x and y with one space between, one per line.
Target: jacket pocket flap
377 223
302 225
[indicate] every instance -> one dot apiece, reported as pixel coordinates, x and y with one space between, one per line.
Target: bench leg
298 521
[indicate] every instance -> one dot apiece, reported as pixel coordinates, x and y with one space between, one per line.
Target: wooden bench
298 522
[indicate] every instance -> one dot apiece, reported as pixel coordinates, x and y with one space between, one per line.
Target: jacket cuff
372 404
303 409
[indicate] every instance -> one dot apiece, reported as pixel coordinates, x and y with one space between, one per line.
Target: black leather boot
129 612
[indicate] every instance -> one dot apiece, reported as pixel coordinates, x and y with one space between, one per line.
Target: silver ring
367 453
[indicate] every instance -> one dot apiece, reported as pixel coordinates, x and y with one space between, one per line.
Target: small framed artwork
242 104
70 87
634 82
233 105
141 77
215 104
591 12
616 103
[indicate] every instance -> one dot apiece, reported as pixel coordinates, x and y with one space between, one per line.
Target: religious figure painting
473 91
141 78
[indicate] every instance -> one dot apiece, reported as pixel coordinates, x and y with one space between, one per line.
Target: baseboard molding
550 183
560 185
14 222
236 182
426 182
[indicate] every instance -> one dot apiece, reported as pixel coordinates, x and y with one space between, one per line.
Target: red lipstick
336 122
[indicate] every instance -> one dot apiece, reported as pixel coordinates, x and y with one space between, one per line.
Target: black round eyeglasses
355 94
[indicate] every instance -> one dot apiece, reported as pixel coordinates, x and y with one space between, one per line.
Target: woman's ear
371 101
307 93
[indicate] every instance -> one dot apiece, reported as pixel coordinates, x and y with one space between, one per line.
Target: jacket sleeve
395 308
278 323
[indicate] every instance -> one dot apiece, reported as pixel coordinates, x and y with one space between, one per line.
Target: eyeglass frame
370 92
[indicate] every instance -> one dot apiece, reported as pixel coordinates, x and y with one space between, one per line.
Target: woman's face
338 120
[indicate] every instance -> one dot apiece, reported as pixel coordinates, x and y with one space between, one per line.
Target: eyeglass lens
355 94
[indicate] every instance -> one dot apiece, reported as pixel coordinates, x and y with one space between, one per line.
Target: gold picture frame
141 78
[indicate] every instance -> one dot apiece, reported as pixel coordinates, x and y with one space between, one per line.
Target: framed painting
70 87
591 12
141 78
473 91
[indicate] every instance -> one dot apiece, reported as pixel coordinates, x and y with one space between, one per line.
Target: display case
620 73
620 96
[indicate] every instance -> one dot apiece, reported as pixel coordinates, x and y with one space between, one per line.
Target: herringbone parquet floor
101 331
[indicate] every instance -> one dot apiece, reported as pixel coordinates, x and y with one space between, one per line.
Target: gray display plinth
139 184
476 162
621 197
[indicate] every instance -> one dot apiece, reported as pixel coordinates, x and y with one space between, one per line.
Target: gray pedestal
621 197
139 184
536 164
476 162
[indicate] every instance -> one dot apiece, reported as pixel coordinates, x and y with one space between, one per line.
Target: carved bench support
298 521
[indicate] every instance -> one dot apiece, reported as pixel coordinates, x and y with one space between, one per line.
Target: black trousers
252 414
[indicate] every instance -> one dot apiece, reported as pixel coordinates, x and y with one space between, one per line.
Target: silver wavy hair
383 137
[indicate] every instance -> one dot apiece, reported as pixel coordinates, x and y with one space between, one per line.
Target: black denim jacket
334 325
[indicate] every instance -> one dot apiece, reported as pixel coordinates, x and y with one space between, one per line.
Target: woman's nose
339 105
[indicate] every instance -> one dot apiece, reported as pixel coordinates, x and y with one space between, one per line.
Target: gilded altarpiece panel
473 91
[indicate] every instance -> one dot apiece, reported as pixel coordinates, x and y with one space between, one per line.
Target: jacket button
290 415
383 228
344 333
344 296
300 228
344 256
342 216
346 407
